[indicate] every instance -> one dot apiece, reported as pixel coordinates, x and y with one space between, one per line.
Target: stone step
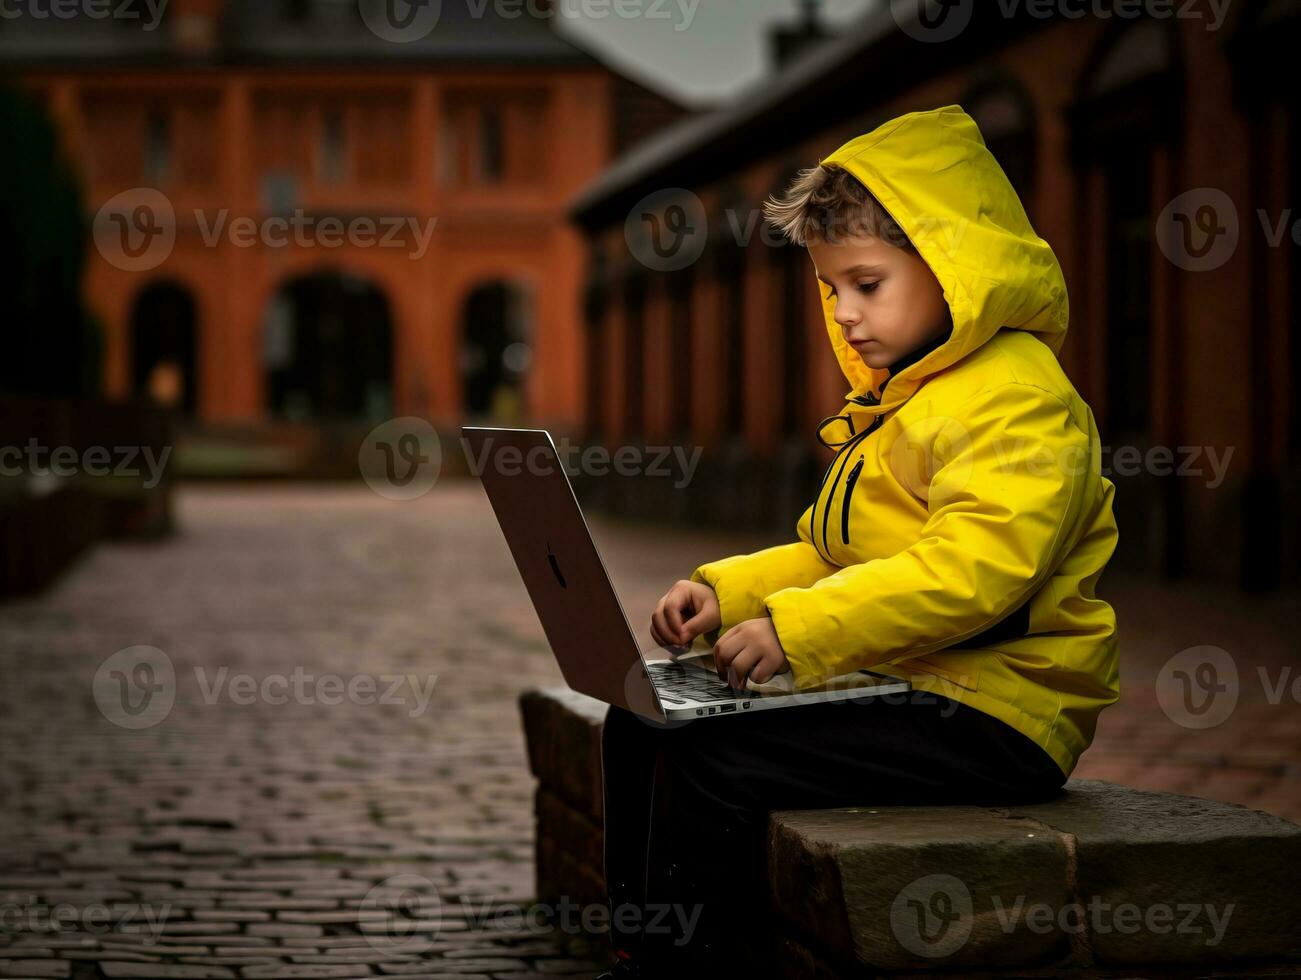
1103 881
1103 876
563 731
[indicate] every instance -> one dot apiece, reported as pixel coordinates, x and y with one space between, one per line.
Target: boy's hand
750 649
670 624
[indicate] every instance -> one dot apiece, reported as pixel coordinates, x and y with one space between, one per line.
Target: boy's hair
826 204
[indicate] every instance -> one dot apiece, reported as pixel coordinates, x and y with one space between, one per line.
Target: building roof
266 31
870 60
293 32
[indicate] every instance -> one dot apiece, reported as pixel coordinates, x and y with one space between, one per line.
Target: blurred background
277 225
251 245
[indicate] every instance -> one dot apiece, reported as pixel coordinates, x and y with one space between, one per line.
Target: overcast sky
699 51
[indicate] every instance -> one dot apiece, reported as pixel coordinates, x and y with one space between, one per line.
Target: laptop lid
544 527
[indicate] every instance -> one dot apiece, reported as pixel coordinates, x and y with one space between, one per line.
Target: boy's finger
673 616
740 667
724 653
694 625
762 671
659 627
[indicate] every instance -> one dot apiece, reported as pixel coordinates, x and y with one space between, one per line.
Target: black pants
686 804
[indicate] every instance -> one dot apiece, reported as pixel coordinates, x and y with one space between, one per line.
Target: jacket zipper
847 449
868 399
849 493
814 511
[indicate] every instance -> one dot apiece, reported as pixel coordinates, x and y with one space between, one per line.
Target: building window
496 351
332 151
730 266
683 394
595 304
164 345
1129 288
491 145
448 149
491 140
634 356
279 192
158 148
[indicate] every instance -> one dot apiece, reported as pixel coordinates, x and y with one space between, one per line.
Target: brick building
1101 121
223 123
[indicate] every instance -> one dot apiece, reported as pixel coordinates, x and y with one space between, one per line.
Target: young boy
956 540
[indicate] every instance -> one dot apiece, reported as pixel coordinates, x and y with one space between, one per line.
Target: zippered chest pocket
850 481
838 465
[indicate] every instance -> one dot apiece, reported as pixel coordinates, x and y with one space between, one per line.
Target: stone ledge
837 877
563 731
569 862
1097 883
1102 877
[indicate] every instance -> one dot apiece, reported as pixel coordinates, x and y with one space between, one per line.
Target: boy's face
888 301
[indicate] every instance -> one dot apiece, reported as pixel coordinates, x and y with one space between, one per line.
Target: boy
956 540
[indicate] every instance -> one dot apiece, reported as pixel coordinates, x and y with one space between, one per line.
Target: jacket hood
933 173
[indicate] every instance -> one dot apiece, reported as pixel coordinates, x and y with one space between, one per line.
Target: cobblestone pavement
339 786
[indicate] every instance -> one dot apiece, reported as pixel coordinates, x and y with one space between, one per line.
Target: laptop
581 613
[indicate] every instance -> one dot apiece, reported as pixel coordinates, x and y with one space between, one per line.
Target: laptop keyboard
680 684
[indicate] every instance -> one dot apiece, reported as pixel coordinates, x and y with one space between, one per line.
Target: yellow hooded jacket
959 532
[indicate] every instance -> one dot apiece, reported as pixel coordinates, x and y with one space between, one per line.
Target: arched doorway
328 350
496 351
163 347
